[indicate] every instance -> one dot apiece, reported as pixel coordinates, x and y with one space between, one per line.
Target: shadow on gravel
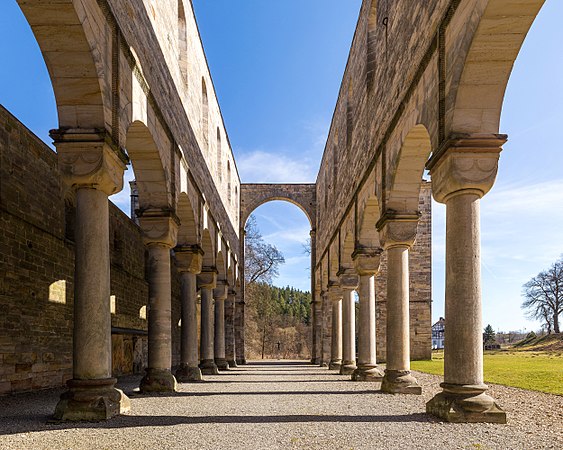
39 423
212 394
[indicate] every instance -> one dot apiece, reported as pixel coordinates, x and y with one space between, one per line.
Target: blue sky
277 68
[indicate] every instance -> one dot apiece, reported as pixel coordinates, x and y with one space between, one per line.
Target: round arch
301 195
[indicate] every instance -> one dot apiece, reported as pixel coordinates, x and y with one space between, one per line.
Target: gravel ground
273 405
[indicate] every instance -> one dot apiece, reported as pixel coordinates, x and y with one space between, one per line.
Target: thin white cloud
260 166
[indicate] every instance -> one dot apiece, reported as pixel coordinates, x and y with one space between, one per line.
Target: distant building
438 334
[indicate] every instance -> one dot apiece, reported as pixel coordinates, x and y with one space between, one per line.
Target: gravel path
287 405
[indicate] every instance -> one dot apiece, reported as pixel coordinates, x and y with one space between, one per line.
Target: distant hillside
547 343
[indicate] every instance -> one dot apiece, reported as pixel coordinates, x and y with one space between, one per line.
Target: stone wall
37 265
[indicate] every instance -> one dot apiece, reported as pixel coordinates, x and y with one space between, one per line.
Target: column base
232 364
241 361
221 364
157 380
400 382
348 367
335 364
208 367
368 373
465 404
188 374
91 401
323 364
315 361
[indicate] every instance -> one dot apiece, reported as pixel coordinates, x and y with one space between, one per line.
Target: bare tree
543 296
261 260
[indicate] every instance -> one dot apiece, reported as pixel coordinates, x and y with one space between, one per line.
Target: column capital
367 260
221 290
465 163
159 227
232 293
397 229
334 291
313 233
207 279
88 158
349 280
189 258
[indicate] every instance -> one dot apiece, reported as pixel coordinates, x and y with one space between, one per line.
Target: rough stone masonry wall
37 265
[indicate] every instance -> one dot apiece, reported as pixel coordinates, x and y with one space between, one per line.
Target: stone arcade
79 279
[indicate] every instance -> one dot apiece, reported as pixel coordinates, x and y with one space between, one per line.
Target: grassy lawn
536 371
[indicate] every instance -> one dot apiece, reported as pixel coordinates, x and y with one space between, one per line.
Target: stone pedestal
189 263
367 265
398 233
159 235
95 170
220 294
207 282
349 283
335 297
462 171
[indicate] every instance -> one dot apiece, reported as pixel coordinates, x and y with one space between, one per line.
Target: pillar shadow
40 423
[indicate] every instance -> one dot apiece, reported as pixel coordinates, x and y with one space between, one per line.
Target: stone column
94 170
189 262
207 280
398 233
349 283
239 331
314 317
335 296
230 345
317 325
462 171
326 334
220 294
367 265
159 236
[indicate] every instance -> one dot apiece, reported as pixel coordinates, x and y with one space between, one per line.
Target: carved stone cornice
348 279
189 258
466 163
397 229
207 279
87 158
159 229
367 260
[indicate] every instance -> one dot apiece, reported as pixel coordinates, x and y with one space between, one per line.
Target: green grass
536 371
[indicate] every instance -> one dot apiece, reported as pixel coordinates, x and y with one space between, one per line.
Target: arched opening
523 83
182 42
204 117
277 307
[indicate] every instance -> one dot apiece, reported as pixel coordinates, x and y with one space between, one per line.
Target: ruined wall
37 265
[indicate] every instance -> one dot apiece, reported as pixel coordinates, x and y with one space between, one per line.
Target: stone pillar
367 265
349 283
335 297
398 233
239 331
159 236
230 344
314 317
189 263
95 170
317 325
326 334
220 294
462 171
207 280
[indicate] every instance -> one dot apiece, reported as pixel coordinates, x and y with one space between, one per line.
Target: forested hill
291 302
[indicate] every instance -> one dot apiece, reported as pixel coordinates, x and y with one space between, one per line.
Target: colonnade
462 172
